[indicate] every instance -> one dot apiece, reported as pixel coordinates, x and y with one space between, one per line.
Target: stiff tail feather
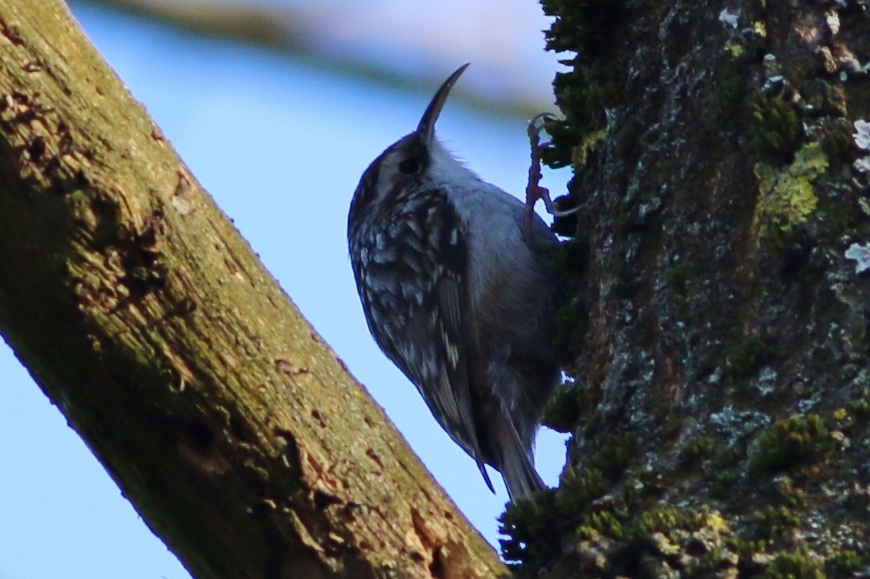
517 467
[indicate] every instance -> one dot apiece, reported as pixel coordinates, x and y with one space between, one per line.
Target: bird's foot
534 191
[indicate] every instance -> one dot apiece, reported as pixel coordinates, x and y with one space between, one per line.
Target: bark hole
324 500
240 430
197 437
436 567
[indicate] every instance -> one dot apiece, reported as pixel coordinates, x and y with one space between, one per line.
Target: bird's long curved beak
426 128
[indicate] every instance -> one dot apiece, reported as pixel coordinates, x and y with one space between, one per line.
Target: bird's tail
517 466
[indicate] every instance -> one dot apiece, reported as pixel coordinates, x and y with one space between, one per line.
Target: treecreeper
459 291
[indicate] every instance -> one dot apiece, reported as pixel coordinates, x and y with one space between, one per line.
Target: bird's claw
534 191
538 124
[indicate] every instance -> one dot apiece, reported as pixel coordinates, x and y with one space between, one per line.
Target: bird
460 295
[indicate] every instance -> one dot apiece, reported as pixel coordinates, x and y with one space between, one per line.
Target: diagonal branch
235 431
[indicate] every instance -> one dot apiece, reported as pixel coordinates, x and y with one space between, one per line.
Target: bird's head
412 163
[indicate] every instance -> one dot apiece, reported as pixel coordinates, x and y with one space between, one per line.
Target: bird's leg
533 189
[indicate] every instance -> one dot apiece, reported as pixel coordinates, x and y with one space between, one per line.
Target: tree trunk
718 331
236 433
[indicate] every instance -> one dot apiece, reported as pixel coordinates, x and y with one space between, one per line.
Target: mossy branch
234 430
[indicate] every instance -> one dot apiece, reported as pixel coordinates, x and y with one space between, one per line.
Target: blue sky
280 146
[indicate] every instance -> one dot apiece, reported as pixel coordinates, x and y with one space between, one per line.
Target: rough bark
719 331
233 429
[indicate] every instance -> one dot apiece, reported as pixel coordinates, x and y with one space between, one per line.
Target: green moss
664 531
582 94
861 407
785 196
572 258
659 520
793 566
730 88
614 454
722 485
837 140
572 322
599 523
792 442
846 562
562 410
586 29
789 495
572 319
665 520
698 450
578 489
745 548
533 531
747 357
839 214
774 127
583 27
732 455
774 521
564 138
588 145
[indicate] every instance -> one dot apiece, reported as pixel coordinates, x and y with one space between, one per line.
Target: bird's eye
409 166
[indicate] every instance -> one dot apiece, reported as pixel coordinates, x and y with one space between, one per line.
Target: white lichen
728 19
832 19
861 254
862 165
862 135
